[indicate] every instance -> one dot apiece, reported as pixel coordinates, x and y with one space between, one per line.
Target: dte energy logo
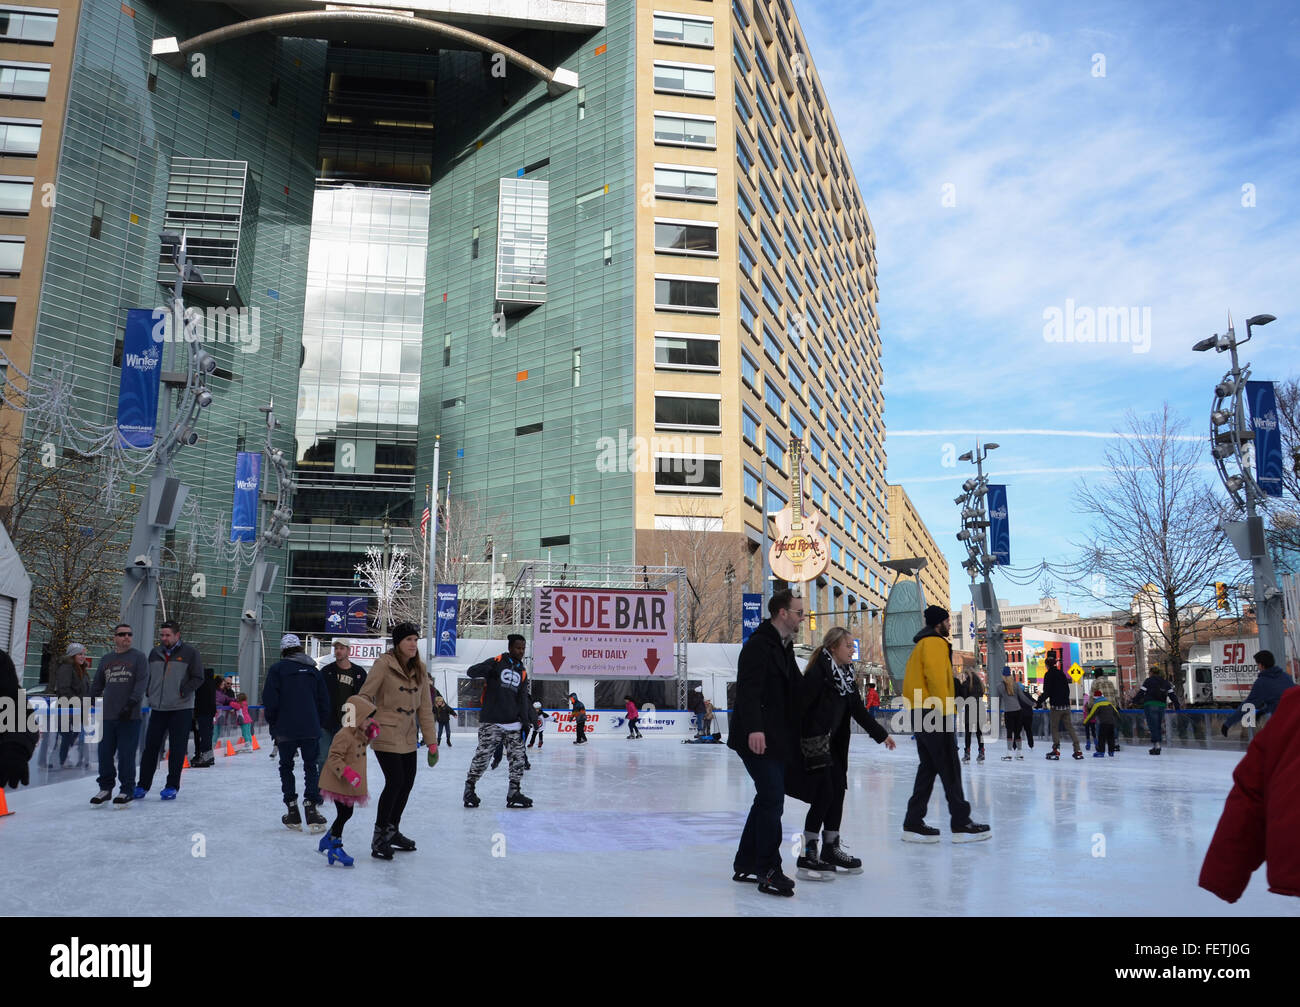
102 961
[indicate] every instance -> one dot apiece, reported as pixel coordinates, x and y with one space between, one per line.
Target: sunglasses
123 634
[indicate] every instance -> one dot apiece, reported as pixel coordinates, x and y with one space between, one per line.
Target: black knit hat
935 614
402 630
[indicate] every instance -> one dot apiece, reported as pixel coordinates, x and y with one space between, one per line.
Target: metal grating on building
523 208
214 204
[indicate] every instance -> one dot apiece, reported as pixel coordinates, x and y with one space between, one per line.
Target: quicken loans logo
102 961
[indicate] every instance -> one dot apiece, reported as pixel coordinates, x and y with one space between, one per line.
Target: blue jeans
120 739
1155 724
310 749
760 843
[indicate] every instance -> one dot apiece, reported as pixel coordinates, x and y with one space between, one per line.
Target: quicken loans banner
137 396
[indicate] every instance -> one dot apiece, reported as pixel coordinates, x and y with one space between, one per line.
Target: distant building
909 537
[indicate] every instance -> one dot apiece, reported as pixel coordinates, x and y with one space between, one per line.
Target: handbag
816 751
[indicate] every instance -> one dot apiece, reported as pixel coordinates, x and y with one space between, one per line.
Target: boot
812 868
315 820
981 755
292 818
380 848
516 799
471 798
836 855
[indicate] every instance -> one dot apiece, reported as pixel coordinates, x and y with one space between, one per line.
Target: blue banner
751 614
448 611
344 614
243 513
1268 437
999 529
137 395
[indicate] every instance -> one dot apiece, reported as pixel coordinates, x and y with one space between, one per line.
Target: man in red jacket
1261 819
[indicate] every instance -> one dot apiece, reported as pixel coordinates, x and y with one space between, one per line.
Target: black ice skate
920 834
315 820
966 757
810 867
776 883
971 832
101 797
517 799
1054 755
1078 755
291 818
400 842
981 755
471 798
380 847
836 855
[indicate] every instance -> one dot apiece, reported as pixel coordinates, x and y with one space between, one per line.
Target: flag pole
424 532
432 597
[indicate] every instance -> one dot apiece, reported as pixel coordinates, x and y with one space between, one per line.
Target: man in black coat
762 731
205 711
17 740
1056 690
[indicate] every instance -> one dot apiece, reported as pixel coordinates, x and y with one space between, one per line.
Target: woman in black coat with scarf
818 773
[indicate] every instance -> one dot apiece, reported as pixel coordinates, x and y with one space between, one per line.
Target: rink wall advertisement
610 722
1232 669
1036 644
603 633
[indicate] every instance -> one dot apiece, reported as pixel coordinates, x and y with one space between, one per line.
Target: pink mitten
372 730
352 776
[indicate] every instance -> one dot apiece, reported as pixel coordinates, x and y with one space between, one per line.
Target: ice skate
400 842
920 834
1078 755
1099 755
101 797
1154 751
316 823
517 799
1019 756
774 882
836 855
980 757
812 868
471 799
971 832
292 819
122 800
966 757
1054 755
168 794
332 848
380 848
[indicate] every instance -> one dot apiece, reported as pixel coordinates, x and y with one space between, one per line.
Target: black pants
203 732
970 715
1106 738
582 732
342 812
309 749
827 811
1016 721
175 724
399 777
444 729
760 843
632 730
938 755
537 737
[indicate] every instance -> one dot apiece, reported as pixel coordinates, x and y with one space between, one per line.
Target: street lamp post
974 535
1232 440
729 578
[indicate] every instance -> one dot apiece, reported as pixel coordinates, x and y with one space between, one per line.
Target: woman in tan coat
343 777
398 685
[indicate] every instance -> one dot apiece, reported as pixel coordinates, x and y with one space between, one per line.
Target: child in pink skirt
343 776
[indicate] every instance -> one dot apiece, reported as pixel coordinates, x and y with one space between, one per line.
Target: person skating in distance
929 702
540 717
504 710
1056 691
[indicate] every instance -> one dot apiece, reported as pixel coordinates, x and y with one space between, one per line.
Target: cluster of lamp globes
974 522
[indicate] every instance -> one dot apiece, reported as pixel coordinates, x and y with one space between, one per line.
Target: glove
372 731
1224 730
352 776
13 766
125 715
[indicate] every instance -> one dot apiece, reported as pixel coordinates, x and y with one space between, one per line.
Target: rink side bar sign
603 633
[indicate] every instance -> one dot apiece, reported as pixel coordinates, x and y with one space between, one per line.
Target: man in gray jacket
175 671
121 679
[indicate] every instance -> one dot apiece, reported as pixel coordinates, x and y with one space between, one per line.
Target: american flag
424 518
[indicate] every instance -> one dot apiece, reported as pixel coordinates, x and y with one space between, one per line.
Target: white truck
1221 671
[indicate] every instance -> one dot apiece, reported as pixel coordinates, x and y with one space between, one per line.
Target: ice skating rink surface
637 828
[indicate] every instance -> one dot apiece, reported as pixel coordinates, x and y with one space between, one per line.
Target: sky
1016 158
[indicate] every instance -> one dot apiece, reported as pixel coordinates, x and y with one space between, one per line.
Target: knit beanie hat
402 630
935 614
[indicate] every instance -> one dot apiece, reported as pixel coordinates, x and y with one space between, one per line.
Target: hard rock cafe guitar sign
798 552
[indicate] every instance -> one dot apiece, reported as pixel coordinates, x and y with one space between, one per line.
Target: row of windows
26 24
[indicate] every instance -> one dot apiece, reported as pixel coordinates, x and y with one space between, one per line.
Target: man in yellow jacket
928 697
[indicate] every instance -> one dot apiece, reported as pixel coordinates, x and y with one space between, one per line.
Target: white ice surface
636 827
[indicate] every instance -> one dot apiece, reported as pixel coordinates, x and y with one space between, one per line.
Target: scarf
842 678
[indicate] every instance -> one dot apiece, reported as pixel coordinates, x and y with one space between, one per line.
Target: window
814 403
529 428
747 313
835 510
764 109
745 208
770 297
738 9
738 51
577 367
16 194
473 244
11 255
446 349
794 332
796 381
791 243
686 183
675 29
688 473
682 238
97 218
773 398
788 198
749 426
771 345
24 80
7 307
769 245
27 25
792 286
775 449
786 159
837 552
680 351
818 493
684 78
765 197
763 67
743 156
747 260
751 486
20 137
607 245
688 412
765 151
797 425
686 130
748 370
742 107
686 293
776 501
785 117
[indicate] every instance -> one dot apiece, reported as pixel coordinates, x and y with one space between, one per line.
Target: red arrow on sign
652 659
557 657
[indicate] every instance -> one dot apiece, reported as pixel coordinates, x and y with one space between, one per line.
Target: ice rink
643 827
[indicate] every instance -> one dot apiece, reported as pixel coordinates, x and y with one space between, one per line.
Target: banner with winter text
999 529
1268 438
243 513
448 614
137 396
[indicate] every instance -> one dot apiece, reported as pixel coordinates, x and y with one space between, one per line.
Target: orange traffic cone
256 746
186 763
4 806
230 749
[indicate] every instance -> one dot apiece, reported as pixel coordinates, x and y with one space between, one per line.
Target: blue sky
1123 190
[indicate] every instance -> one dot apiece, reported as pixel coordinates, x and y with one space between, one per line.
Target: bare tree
1155 530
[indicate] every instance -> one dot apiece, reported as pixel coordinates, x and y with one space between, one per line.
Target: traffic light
812 622
1221 595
